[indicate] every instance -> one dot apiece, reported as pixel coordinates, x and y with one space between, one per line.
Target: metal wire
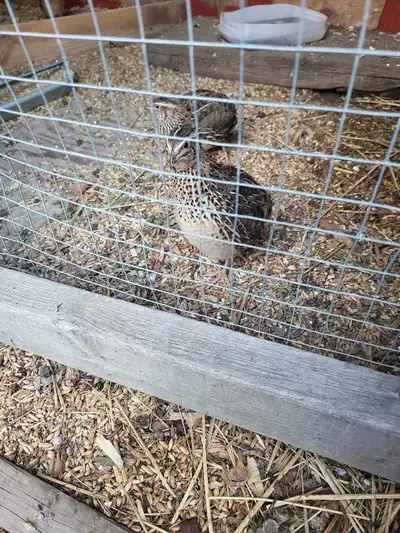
208 44
299 295
273 105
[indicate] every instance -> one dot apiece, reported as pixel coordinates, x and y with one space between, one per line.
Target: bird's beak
162 104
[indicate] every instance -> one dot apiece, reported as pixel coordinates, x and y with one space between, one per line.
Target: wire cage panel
88 196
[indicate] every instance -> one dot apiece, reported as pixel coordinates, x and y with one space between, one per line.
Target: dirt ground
51 418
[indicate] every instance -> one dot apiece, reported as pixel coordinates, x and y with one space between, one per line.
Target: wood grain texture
128 3
336 409
113 23
29 504
317 70
343 12
340 12
390 18
57 6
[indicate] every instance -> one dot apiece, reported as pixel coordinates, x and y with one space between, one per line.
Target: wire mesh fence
90 196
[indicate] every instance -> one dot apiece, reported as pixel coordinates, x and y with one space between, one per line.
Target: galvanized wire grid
285 306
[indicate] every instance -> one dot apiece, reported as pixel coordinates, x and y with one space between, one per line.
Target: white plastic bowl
276 24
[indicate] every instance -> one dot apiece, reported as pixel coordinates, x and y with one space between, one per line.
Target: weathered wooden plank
113 23
340 12
343 12
335 409
317 70
29 504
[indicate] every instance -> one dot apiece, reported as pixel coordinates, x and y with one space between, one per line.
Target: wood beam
336 409
112 23
29 504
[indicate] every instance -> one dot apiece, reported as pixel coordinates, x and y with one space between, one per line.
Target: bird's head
163 102
165 106
181 153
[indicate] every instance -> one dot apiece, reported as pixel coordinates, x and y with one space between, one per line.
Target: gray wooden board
316 71
29 504
336 409
31 186
23 183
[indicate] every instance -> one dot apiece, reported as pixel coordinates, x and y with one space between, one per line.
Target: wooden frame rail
333 408
28 504
322 70
113 23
